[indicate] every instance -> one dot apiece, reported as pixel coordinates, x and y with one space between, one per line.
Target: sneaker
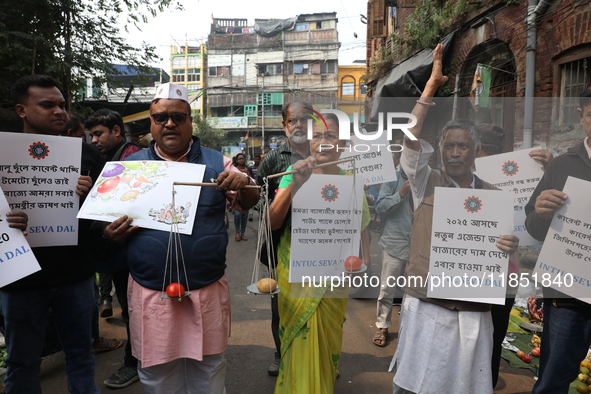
122 378
273 369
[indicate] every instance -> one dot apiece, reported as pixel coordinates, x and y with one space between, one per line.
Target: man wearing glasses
180 345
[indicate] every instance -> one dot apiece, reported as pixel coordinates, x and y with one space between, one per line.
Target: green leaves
71 40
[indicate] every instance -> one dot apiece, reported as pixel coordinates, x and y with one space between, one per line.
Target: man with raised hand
444 345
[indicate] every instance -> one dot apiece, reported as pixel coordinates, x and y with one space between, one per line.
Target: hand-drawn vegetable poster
518 173
16 258
39 176
565 260
465 263
326 226
143 191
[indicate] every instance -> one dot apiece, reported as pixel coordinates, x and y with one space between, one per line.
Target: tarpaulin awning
269 28
407 79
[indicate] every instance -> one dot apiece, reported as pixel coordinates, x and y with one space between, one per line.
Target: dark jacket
204 251
575 162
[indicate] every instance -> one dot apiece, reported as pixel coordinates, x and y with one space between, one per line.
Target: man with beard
295 124
444 345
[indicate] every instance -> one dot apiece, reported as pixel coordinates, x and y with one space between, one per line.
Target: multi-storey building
254 69
188 68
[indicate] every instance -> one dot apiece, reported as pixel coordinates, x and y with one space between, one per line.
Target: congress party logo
330 193
38 150
473 204
510 168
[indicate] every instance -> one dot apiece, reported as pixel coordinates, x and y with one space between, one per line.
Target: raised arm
423 104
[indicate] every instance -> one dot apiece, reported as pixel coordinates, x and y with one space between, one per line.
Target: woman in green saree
311 326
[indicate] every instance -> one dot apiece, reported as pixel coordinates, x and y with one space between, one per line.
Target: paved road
363 368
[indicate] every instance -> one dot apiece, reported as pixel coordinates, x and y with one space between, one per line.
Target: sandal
380 338
102 345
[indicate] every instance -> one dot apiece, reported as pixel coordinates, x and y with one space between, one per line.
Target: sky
194 22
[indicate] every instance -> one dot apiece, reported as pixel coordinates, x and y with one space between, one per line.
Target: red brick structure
495 33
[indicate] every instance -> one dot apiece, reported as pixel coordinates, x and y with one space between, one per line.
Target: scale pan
255 290
164 296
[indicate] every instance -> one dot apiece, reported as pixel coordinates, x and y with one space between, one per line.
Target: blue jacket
204 251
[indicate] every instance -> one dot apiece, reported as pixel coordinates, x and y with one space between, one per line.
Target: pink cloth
163 330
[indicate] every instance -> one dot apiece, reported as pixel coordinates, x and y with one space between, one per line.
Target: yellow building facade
351 92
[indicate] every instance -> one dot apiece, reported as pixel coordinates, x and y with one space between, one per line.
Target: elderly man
567 321
445 345
295 125
65 282
180 345
107 129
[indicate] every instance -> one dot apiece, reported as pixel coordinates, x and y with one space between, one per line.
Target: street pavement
363 367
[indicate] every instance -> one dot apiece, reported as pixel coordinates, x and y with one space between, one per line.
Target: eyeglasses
178 118
327 137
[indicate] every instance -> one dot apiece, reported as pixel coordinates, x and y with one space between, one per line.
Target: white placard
143 191
325 226
373 160
16 258
39 176
465 263
518 173
564 263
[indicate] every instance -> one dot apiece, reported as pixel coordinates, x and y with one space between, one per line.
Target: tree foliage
210 137
72 40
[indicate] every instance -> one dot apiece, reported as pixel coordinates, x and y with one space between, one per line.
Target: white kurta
442 351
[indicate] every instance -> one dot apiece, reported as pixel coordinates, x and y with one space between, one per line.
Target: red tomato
108 185
353 263
175 290
526 358
520 354
535 352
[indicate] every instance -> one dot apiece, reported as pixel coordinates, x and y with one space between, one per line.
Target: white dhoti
442 351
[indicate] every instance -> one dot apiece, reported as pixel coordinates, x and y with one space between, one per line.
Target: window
178 75
250 110
298 68
271 69
348 88
574 77
270 99
222 71
376 19
302 26
363 89
319 25
193 75
328 67
194 61
178 61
